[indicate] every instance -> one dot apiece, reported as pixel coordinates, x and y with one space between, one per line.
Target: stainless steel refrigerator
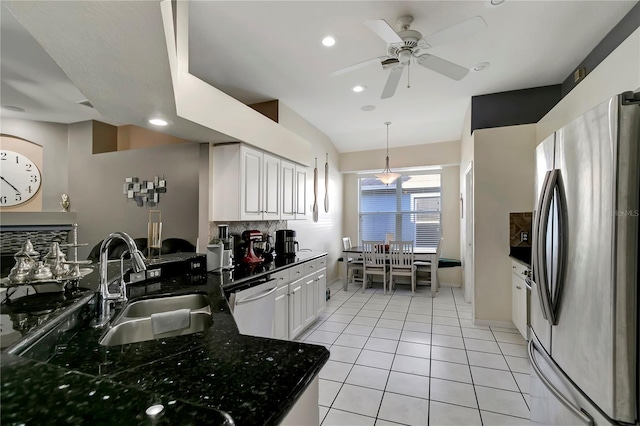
584 300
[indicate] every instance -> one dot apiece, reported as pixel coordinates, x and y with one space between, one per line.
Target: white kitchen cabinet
296 307
281 315
321 278
288 179
519 306
301 192
310 297
300 297
249 185
281 318
271 188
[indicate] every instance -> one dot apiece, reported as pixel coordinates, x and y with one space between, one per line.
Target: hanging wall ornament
326 184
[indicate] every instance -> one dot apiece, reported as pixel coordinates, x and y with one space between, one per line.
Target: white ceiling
115 55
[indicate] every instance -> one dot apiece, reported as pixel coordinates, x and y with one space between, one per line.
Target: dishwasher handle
256 297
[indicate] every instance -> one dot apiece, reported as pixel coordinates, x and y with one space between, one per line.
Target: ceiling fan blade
458 31
392 82
442 66
383 30
358 65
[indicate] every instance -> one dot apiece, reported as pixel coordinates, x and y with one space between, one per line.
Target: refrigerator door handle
586 418
539 254
560 257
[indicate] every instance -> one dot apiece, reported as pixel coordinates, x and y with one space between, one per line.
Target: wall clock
20 178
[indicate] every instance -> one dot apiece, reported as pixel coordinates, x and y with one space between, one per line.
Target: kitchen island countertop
197 378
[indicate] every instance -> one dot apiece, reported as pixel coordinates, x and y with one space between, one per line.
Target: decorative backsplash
236 228
520 229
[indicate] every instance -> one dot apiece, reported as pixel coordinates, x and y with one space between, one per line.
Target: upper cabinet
249 184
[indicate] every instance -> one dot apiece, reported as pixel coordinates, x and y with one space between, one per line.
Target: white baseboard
490 323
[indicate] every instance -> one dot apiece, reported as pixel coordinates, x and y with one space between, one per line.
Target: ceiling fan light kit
387 176
407 46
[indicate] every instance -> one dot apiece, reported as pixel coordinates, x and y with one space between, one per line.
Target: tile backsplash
236 228
520 229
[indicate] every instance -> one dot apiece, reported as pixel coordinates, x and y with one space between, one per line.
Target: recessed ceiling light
368 108
359 88
158 122
12 108
496 2
328 41
481 66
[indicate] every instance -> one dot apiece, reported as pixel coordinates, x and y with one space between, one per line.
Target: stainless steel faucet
106 298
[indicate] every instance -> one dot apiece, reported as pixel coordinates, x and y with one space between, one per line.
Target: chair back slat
401 254
346 243
373 253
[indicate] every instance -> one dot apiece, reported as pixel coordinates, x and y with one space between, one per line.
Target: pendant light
387 176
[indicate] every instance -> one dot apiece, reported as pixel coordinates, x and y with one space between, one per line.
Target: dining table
420 254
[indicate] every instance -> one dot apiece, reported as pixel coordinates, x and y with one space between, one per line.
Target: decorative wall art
145 191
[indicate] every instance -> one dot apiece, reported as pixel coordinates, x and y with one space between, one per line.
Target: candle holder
154 235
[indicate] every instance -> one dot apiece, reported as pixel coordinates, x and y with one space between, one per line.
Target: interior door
467 209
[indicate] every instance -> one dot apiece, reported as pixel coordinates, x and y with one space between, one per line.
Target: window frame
401 214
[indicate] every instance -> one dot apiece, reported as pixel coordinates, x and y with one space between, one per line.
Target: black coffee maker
286 244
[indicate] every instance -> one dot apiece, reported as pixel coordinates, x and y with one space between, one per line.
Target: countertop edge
520 261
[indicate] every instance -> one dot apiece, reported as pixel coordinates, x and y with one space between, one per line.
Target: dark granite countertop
521 254
255 380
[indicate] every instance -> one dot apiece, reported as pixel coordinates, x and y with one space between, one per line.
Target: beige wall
503 181
95 189
413 156
618 73
326 234
433 154
52 138
466 158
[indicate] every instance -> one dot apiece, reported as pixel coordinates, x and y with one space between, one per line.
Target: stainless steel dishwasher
253 308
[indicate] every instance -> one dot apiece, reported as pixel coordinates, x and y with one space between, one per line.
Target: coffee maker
286 243
220 251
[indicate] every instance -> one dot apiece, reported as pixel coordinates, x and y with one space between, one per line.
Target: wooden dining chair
401 260
375 262
355 266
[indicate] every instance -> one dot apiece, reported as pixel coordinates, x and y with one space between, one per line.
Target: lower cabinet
321 278
519 305
281 317
296 307
311 298
299 302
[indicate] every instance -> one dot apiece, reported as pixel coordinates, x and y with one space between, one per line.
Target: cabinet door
296 308
321 277
271 188
516 287
251 174
301 192
310 296
288 194
281 318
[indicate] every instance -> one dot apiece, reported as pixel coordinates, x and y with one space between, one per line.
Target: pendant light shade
387 176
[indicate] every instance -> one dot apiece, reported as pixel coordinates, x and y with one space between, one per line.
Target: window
410 209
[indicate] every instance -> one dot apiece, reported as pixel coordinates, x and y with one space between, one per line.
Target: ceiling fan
408 46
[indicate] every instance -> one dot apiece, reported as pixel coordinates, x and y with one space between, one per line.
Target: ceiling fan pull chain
409 75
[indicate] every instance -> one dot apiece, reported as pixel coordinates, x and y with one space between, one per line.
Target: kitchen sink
133 324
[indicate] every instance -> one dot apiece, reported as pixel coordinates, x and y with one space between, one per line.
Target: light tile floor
397 359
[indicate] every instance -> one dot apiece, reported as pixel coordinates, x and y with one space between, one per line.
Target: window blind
410 209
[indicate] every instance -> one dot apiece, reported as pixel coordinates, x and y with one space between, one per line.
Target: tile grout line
473 384
511 371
